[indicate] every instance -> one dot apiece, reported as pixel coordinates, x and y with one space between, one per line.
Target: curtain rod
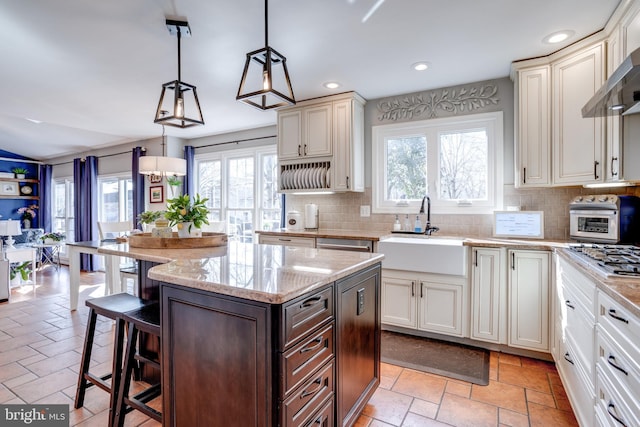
11 159
100 157
235 142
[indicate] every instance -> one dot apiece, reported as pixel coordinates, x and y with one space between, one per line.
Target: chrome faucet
428 229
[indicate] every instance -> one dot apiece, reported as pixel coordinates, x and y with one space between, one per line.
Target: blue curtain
189 183
85 182
138 185
283 211
46 198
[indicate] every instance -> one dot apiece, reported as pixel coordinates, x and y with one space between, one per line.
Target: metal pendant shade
265 80
178 98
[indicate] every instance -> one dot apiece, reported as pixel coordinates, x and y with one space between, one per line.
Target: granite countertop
267 273
624 290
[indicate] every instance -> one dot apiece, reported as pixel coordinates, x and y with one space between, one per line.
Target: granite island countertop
267 273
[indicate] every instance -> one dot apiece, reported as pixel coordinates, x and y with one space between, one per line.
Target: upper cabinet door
578 143
534 127
290 134
317 130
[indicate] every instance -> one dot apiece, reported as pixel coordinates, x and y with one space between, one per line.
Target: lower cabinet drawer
613 407
324 418
304 314
305 401
306 357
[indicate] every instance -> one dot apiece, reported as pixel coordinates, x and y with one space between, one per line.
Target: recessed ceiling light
558 36
420 66
33 120
331 85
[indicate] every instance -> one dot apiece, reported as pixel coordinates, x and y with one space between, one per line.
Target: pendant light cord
266 23
163 143
179 57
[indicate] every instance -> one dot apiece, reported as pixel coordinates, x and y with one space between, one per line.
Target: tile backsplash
342 211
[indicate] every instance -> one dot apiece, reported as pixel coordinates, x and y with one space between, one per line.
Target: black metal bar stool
145 319
112 307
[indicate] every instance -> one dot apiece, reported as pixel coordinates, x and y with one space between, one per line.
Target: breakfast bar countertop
267 273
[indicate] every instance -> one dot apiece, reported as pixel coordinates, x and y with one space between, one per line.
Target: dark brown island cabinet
311 361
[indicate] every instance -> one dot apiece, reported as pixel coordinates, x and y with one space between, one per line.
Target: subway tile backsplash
342 211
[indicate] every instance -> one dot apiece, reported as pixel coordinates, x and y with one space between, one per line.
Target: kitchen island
264 335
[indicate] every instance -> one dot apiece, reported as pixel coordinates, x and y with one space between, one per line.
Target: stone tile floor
41 344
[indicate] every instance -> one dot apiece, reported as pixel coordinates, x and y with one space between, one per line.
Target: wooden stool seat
145 319
112 307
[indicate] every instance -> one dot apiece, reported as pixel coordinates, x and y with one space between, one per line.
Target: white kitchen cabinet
578 143
305 132
348 145
533 146
305 242
613 153
321 144
426 302
489 295
528 284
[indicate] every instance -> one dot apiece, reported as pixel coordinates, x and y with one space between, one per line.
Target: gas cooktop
622 260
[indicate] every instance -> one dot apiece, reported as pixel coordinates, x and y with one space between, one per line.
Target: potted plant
187 215
19 272
147 218
49 238
174 182
21 173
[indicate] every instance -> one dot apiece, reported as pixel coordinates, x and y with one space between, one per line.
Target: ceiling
91 71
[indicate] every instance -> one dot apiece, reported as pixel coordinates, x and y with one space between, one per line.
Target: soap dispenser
407 224
396 225
418 226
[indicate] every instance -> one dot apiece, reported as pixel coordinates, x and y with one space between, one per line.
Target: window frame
432 128
122 178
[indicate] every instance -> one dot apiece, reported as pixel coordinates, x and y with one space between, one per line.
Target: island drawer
325 417
303 314
306 357
308 398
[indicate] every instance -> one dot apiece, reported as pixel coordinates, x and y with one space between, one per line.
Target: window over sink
457 161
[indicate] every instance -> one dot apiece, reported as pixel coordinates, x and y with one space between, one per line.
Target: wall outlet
365 210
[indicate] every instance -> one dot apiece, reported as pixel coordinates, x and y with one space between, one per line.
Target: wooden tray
145 240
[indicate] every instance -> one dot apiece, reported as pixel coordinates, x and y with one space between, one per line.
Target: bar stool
112 307
145 319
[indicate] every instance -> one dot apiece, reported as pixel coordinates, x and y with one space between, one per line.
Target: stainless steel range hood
621 92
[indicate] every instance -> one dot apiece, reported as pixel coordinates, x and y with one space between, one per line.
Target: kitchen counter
624 290
266 273
327 233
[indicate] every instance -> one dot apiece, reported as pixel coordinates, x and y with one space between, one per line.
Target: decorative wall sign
155 179
9 188
156 194
427 104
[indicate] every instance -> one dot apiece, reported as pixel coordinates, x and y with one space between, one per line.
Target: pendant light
162 165
265 80
178 97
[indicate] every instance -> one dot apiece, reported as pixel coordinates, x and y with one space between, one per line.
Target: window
116 199
63 201
456 161
241 186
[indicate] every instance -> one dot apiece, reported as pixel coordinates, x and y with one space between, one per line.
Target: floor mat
452 360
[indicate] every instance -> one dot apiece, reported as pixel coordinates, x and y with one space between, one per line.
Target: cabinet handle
317 341
299 150
413 289
475 253
568 304
311 301
306 393
421 291
305 149
283 240
567 357
347 182
612 313
611 407
612 361
524 175
613 159
513 260
595 169
321 420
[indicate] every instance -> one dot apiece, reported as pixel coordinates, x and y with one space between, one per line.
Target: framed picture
155 179
9 188
156 194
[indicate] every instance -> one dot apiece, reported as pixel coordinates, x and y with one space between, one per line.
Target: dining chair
128 269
